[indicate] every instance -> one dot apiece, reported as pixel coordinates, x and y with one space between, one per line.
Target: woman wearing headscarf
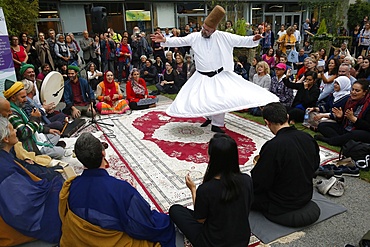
338 99
137 93
110 96
352 121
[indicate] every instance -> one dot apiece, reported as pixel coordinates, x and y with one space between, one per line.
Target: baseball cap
280 66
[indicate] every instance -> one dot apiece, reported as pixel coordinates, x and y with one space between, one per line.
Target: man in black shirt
282 177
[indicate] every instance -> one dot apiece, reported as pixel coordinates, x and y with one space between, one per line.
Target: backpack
359 153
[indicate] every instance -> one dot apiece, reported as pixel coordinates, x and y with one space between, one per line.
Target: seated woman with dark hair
110 97
170 83
149 73
352 121
307 95
158 64
93 76
364 71
222 202
137 93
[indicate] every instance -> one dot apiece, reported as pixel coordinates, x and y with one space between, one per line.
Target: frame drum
53 82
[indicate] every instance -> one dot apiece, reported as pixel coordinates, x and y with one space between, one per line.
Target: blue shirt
30 207
114 204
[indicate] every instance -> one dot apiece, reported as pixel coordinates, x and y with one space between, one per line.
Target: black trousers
336 135
188 225
295 114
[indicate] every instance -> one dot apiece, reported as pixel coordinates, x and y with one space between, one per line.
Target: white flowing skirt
225 92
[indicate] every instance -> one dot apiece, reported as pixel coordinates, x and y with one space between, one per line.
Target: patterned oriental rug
154 152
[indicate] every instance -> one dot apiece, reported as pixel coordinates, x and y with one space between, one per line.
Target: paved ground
346 228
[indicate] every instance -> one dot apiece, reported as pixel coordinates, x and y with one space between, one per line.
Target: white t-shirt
281 33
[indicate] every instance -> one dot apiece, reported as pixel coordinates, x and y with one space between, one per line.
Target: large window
257 14
48 10
48 17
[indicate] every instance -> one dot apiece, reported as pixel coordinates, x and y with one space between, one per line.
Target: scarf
361 105
345 88
137 88
109 89
26 120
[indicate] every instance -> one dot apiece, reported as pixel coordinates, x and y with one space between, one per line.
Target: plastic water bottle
305 119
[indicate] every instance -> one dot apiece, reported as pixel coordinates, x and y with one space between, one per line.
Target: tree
322 28
356 13
20 15
330 10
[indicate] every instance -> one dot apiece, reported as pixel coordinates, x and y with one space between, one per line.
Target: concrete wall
73 18
166 14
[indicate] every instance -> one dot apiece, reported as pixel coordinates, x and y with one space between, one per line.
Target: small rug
268 231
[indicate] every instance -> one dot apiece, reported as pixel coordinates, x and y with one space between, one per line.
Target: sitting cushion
298 218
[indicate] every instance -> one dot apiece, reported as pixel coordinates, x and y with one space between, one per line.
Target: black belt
212 73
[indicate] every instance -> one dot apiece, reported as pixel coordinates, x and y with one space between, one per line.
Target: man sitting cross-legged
78 95
282 177
99 210
28 204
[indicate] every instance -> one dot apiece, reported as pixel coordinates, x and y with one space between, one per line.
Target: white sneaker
324 185
338 188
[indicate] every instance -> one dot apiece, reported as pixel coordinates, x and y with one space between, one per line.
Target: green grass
153 88
365 175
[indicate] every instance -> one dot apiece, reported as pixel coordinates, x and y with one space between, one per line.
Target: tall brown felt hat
214 18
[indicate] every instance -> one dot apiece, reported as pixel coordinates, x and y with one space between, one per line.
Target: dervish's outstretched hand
257 37
157 37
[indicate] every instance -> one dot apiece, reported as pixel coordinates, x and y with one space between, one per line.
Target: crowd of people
95 208
315 81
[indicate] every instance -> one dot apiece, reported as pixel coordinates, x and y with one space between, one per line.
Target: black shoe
319 138
217 129
324 172
206 123
61 144
156 92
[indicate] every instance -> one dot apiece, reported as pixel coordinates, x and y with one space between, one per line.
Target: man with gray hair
345 70
97 197
88 47
28 204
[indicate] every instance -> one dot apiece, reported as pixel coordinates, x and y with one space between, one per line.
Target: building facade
75 15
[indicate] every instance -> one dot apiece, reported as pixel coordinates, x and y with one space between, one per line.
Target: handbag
293 56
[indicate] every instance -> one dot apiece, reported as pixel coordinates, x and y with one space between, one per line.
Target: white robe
206 96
